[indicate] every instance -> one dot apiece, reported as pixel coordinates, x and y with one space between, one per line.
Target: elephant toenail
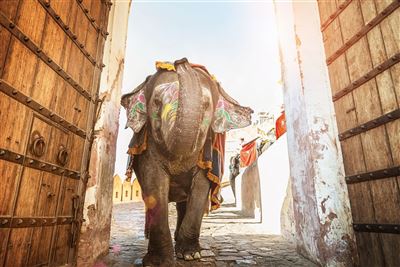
179 255
188 257
197 255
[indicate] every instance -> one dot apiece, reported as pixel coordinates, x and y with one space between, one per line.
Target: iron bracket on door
377 228
75 222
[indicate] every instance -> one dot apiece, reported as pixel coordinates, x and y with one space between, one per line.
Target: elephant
179 116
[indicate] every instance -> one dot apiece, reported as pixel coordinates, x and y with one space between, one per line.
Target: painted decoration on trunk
169 96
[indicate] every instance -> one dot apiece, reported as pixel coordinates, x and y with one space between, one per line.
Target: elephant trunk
184 137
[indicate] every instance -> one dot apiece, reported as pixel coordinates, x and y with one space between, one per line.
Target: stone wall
250 191
95 232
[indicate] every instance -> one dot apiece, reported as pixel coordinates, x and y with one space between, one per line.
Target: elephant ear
136 107
229 114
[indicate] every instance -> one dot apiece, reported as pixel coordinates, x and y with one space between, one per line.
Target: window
137 193
126 193
116 194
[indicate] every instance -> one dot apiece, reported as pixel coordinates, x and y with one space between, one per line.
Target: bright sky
235 40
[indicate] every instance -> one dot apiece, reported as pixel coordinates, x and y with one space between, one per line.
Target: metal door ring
62 156
38 145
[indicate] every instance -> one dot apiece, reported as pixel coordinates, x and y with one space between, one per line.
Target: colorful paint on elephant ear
136 111
228 115
212 160
222 116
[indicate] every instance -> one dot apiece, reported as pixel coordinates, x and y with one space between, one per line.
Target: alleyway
227 239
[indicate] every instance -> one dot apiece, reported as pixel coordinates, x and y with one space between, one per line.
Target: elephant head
181 105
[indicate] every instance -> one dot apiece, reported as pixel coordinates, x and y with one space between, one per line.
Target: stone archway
323 221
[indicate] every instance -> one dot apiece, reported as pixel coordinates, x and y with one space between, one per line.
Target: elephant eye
157 102
206 105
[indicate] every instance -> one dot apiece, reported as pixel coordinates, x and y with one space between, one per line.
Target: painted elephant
179 116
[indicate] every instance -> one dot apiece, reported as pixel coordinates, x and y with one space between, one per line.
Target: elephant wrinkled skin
178 109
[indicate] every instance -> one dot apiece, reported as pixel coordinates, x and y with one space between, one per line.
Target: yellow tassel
165 66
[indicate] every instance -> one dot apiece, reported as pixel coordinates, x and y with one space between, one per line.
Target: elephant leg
181 210
187 243
155 185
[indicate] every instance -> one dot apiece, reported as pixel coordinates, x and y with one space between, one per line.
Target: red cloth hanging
280 126
248 154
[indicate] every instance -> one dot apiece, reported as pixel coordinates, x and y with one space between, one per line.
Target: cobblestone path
227 239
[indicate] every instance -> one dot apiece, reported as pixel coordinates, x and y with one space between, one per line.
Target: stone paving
227 239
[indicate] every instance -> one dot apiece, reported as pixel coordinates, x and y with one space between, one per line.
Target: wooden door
362 40
50 65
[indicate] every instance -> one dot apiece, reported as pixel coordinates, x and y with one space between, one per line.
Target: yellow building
126 191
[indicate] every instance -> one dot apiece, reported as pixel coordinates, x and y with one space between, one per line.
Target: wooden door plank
358 63
76 148
393 129
53 41
18 246
45 82
9 8
326 8
61 249
32 26
28 193
338 74
19 68
88 4
351 26
332 38
9 174
49 195
64 9
58 139
391 248
387 94
3 244
81 25
345 113
370 253
13 137
391 33
395 71
382 4
5 38
376 150
40 247
95 11
70 191
368 11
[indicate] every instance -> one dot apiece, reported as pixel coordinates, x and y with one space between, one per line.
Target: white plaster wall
320 199
274 172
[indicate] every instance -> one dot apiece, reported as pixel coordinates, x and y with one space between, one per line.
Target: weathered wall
288 223
320 199
95 232
250 191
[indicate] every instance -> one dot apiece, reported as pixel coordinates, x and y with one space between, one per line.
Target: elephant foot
156 260
188 250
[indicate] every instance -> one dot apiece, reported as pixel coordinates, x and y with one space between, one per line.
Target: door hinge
75 221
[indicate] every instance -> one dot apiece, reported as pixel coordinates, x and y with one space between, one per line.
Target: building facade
125 191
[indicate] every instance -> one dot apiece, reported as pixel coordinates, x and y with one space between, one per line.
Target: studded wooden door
362 40
50 66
